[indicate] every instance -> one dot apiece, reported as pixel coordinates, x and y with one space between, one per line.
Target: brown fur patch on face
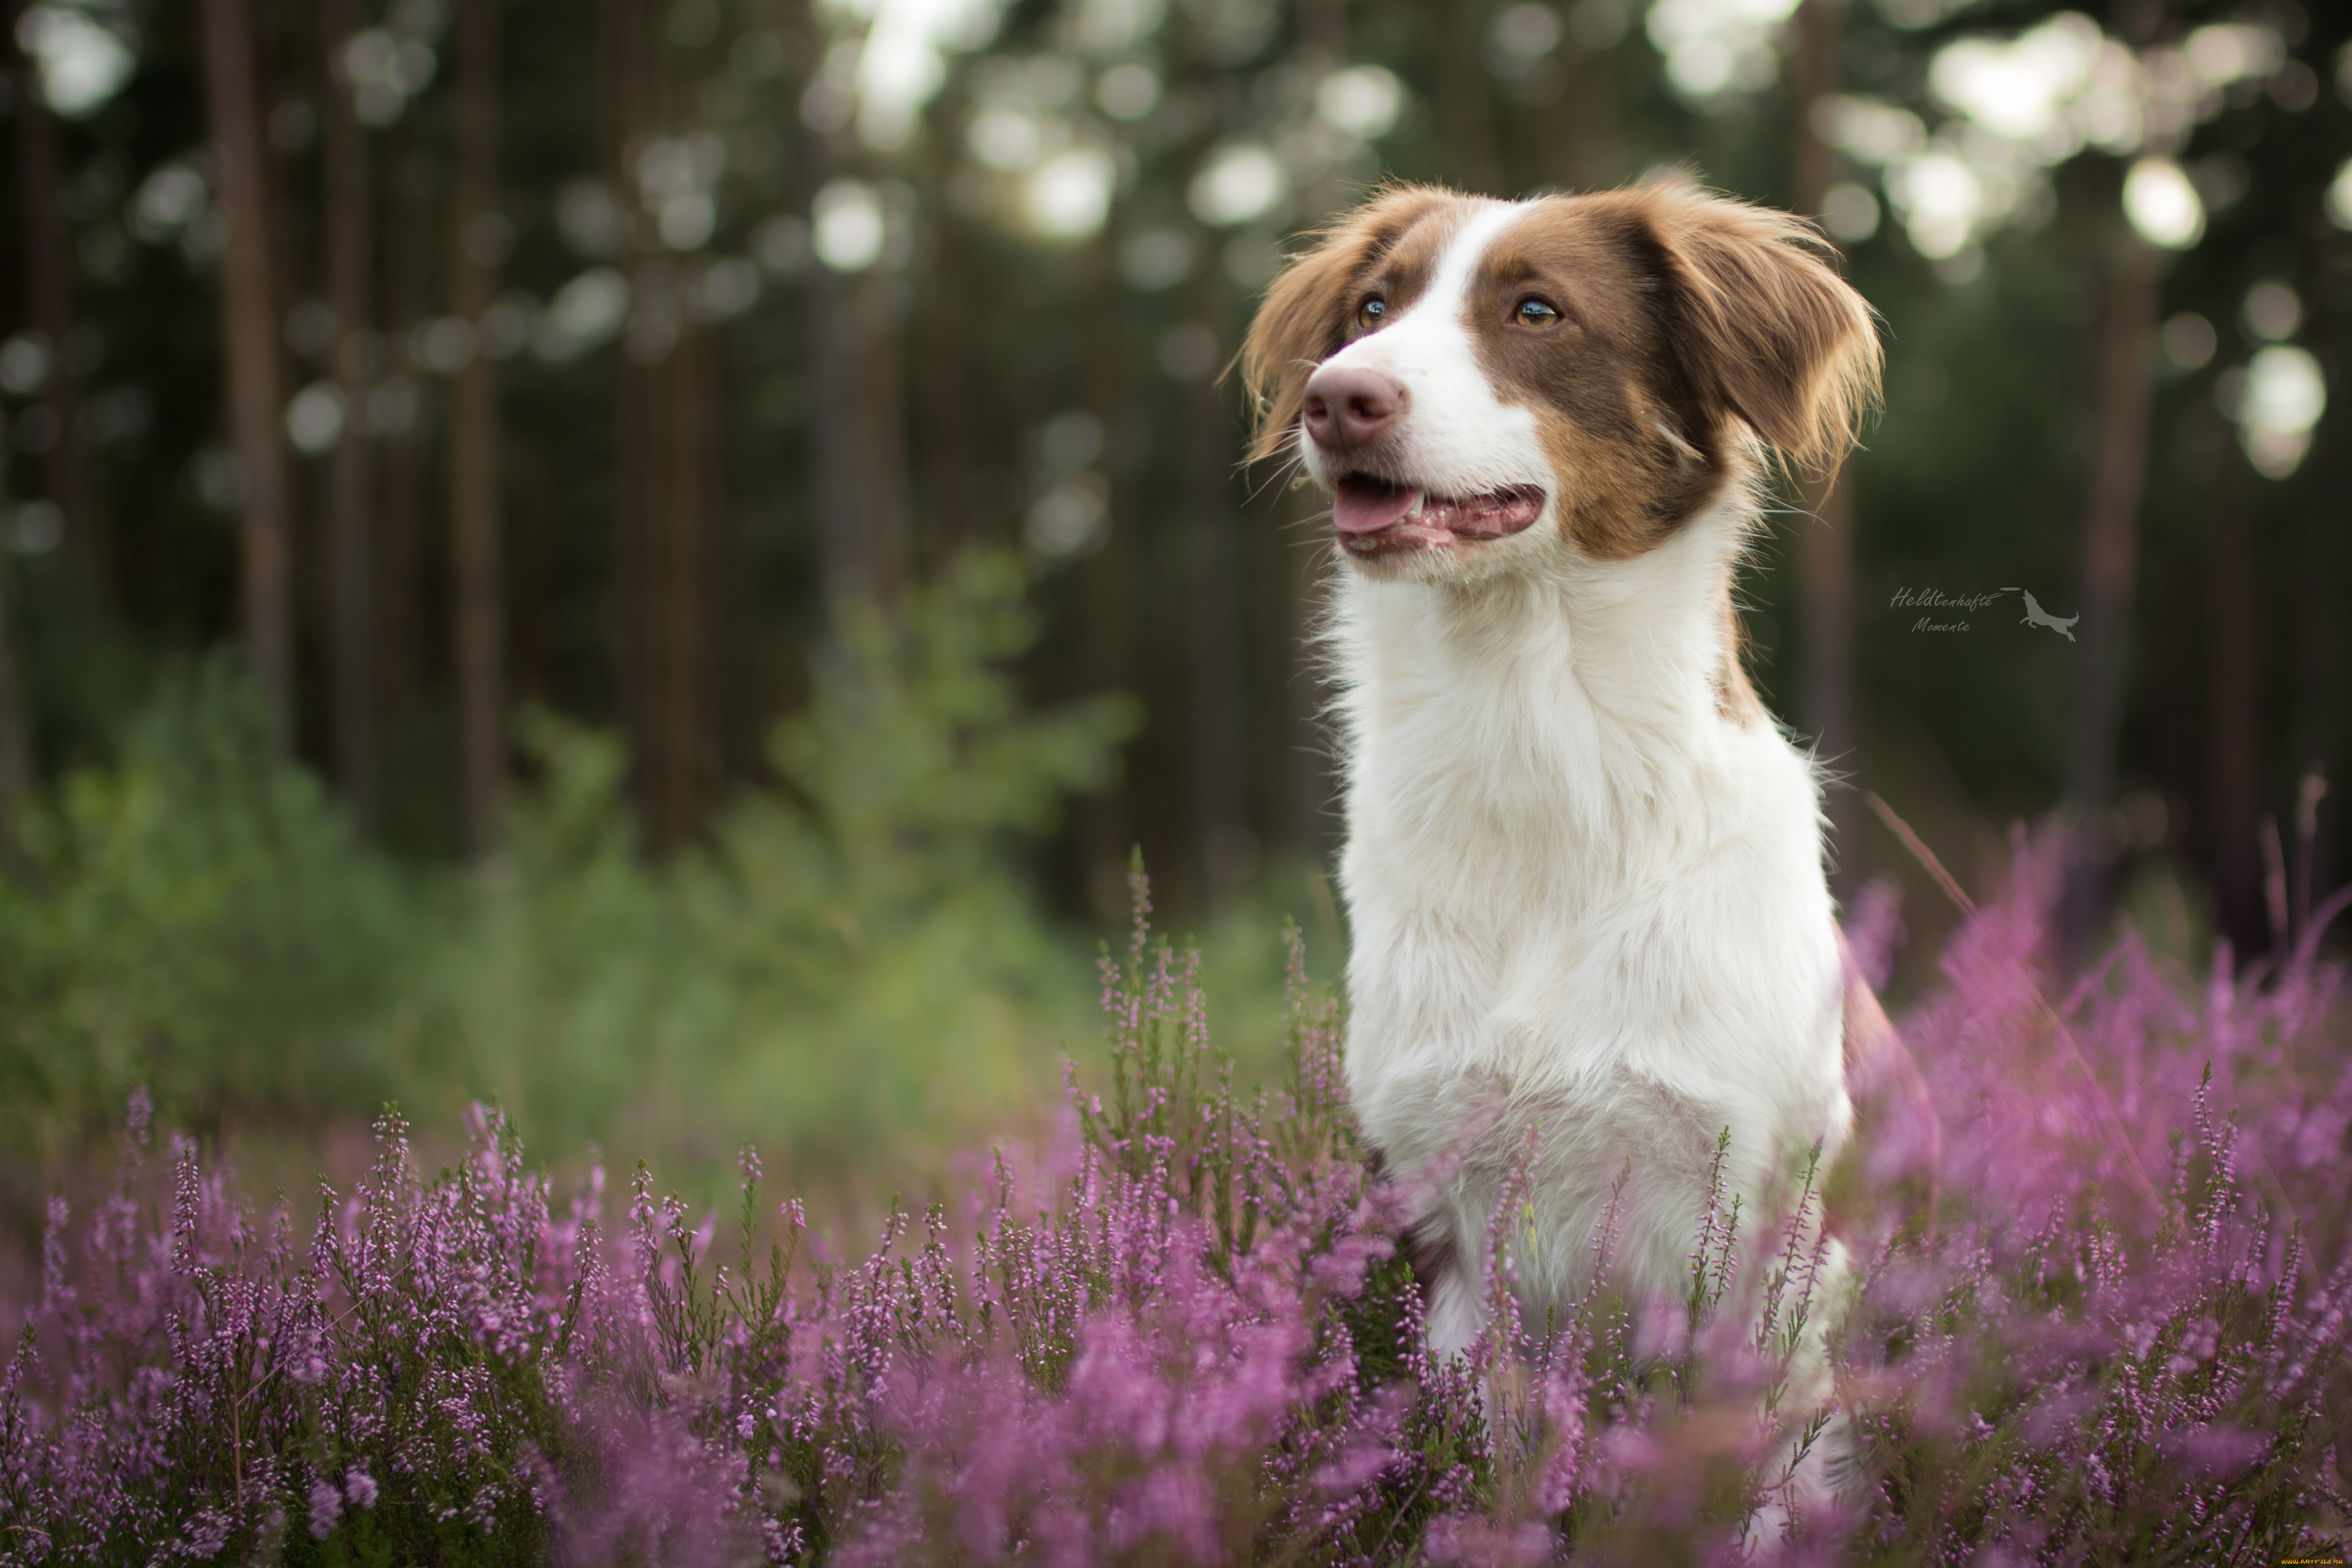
1685 321
1612 405
1389 246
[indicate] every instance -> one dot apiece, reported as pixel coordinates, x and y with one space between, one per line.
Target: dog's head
1479 383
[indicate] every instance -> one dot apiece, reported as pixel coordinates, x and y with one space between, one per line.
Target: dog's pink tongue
1368 506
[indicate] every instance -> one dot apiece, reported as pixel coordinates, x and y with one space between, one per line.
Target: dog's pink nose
1351 405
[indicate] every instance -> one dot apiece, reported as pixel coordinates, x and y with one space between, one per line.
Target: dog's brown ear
1302 319
1763 325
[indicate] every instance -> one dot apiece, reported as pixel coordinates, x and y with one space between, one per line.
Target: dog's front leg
1450 1275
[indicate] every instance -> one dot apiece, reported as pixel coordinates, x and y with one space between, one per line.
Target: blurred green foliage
198 918
851 952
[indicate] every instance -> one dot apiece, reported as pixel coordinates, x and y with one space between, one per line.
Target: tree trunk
2319 573
1105 622
254 375
2110 562
351 493
49 289
881 438
669 513
622 52
15 723
474 509
1323 34
1825 528
667 491
1465 107
37 211
832 349
833 431
1580 147
1220 833
683 773
409 262
525 484
860 440
944 391
2235 749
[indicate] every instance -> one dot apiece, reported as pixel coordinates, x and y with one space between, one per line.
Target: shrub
1180 1335
198 918
854 951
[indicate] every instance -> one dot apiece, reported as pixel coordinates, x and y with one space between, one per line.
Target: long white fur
1578 891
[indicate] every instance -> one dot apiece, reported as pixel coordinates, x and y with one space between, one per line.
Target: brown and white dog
1583 866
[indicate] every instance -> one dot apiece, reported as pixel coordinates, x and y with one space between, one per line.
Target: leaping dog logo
2035 615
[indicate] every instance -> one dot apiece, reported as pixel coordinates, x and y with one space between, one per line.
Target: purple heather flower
326 1507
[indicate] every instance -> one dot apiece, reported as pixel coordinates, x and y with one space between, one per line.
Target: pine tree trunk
2234 749
881 438
1322 34
1580 147
832 429
254 375
641 483
1104 621
474 509
526 483
1215 615
1465 103
410 260
476 499
48 287
944 394
824 295
2110 563
859 437
350 493
669 513
2321 561
15 723
684 771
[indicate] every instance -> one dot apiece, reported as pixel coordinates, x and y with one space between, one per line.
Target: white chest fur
1583 896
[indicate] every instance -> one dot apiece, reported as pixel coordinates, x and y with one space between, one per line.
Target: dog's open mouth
1378 517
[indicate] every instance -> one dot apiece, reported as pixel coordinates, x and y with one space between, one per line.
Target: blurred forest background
652 557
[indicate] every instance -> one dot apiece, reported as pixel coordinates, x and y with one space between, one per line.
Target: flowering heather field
1185 1337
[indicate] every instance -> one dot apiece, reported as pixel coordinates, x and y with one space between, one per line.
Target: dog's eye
1372 312
1534 314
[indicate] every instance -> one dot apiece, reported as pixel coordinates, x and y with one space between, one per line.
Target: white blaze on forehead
1457 437
1449 286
